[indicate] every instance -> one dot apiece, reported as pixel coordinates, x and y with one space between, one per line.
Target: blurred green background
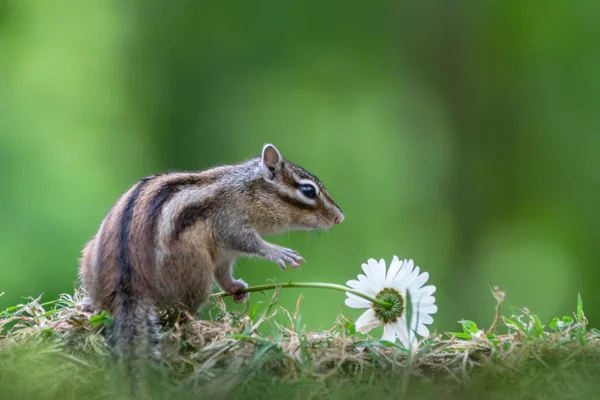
461 134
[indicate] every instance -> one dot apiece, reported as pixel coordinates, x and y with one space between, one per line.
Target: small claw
240 297
284 256
237 286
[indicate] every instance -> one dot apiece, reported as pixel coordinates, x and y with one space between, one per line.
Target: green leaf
567 320
581 329
96 320
241 337
460 335
579 309
350 328
258 355
538 326
557 324
468 326
102 319
493 339
46 332
254 309
512 324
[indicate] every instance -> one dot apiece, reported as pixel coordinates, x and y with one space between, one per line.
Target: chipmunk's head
298 197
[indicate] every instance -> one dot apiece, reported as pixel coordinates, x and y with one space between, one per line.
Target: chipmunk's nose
338 219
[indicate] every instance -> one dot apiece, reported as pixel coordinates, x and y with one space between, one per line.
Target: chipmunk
166 239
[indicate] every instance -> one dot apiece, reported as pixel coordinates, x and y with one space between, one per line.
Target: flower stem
318 285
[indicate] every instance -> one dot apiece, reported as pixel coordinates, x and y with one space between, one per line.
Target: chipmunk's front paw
234 287
282 255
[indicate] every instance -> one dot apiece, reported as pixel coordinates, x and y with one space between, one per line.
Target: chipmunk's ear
270 161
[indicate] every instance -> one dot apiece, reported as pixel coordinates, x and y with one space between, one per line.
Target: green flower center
392 314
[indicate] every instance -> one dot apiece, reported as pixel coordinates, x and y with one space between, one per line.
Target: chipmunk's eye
308 190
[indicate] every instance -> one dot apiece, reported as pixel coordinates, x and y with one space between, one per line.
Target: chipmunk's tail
134 336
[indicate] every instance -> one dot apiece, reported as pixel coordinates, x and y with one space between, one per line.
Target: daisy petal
419 281
395 266
354 301
372 274
404 281
428 290
367 321
368 284
388 333
403 334
432 309
405 271
409 266
422 318
353 283
377 273
423 301
361 286
367 269
412 277
422 331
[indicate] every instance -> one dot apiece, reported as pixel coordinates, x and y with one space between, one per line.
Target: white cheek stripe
303 198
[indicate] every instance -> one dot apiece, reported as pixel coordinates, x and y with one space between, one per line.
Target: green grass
57 351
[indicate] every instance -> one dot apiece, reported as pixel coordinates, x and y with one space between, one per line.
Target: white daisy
401 277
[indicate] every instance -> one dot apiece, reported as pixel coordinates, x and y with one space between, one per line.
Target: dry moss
229 355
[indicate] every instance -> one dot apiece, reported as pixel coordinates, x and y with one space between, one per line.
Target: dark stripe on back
125 267
167 191
189 216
